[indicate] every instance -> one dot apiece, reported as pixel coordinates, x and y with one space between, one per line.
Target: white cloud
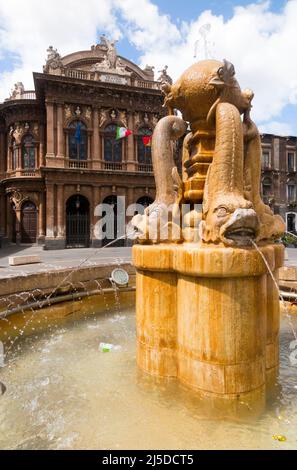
276 127
28 28
146 27
260 43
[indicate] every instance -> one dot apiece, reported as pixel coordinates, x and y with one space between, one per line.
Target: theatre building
59 152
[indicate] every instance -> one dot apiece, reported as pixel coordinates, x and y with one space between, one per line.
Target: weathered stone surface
208 311
208 315
67 279
25 259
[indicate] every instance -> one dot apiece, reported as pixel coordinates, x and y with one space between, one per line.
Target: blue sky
188 10
259 37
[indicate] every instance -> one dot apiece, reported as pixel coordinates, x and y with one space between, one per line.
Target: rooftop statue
164 77
111 51
221 158
111 62
53 60
18 91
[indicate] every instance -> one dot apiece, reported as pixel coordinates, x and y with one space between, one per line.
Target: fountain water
277 288
40 304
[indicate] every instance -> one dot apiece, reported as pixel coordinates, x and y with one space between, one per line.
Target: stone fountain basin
63 393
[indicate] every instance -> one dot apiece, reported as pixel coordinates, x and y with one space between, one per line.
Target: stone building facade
279 176
59 156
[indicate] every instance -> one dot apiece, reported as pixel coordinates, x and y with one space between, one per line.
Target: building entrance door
77 222
28 222
291 222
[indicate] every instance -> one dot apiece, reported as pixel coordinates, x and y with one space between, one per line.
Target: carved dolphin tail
168 129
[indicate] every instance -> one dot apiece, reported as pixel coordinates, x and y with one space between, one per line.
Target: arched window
145 201
144 154
266 187
142 203
78 141
112 147
28 152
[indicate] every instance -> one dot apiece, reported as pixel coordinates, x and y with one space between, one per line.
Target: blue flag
77 135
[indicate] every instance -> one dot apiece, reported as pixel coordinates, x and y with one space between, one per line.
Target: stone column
131 163
2 215
50 150
60 215
60 132
2 154
8 159
8 219
95 218
50 214
129 200
41 145
19 157
89 155
18 216
96 141
41 232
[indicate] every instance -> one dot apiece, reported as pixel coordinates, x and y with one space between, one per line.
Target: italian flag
122 132
147 140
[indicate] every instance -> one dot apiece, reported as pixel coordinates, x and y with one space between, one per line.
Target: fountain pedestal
208 315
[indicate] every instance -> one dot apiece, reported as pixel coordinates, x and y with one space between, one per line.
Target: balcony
114 166
29 172
145 168
108 77
24 95
79 164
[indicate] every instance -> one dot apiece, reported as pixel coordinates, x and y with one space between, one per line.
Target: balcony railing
145 168
110 77
78 164
114 166
21 173
26 95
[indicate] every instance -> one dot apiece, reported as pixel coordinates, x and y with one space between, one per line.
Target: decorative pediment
102 58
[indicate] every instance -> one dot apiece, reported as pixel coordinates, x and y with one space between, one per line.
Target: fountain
207 308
